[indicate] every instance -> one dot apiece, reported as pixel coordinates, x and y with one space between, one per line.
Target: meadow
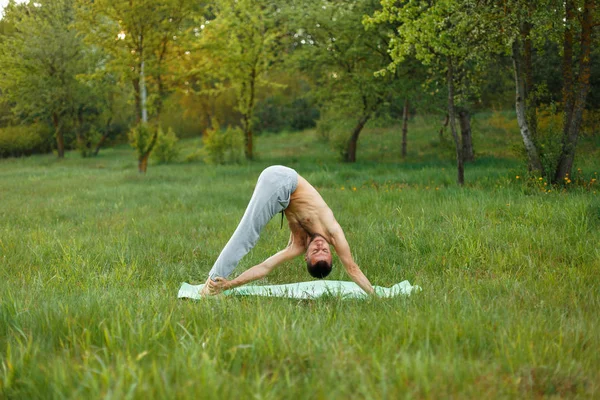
92 254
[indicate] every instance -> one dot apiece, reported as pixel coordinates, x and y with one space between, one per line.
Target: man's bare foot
206 289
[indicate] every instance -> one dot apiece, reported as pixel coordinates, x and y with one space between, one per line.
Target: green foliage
436 32
549 138
333 127
336 51
297 115
591 123
40 61
140 138
23 140
166 150
244 41
141 42
85 143
223 146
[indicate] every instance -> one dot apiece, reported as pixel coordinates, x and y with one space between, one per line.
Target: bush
24 140
549 138
277 114
85 146
165 150
223 146
140 137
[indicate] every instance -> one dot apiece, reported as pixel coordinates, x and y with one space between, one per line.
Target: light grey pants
271 195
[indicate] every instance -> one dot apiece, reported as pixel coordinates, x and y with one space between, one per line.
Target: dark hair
319 270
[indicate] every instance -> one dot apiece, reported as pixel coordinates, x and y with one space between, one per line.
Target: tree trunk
60 140
249 144
350 153
464 118
459 153
249 115
404 127
535 164
143 163
567 66
100 143
103 138
444 125
143 160
138 102
143 93
162 90
567 156
80 137
530 97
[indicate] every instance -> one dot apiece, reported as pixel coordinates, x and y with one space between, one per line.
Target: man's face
318 250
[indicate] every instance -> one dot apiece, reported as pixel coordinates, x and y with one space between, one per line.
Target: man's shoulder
334 229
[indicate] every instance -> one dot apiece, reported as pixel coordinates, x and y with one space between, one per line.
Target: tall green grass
92 255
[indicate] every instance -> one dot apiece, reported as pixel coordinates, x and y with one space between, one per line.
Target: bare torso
308 214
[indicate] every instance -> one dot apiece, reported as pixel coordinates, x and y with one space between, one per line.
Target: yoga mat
304 290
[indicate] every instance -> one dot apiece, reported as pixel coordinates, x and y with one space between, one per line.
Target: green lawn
92 255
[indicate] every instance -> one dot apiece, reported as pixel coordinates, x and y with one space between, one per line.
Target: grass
92 255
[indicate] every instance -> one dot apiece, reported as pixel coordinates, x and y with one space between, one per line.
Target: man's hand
215 287
218 285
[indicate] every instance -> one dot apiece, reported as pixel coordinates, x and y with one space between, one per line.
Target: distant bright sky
3 4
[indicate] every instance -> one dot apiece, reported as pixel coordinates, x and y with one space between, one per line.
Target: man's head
318 257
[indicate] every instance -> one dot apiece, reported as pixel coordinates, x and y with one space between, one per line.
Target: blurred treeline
83 73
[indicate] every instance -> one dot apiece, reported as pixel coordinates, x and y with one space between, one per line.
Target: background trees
449 38
242 43
40 58
342 57
548 30
92 70
139 39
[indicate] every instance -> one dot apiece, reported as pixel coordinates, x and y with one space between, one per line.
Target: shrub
165 150
549 137
223 146
277 114
23 140
140 137
85 146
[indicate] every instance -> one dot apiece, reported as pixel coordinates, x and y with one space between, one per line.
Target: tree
575 88
243 43
140 39
111 114
449 38
527 25
343 61
39 63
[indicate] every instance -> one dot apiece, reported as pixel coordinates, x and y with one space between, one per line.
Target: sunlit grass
92 255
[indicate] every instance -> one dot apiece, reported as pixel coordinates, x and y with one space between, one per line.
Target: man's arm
342 248
258 271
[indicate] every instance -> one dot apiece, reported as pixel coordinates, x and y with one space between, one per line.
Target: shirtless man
312 225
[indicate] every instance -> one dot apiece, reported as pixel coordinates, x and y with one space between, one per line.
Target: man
312 225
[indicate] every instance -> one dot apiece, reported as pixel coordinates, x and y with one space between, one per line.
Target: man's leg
264 204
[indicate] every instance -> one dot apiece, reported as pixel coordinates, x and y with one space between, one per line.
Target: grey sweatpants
271 195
